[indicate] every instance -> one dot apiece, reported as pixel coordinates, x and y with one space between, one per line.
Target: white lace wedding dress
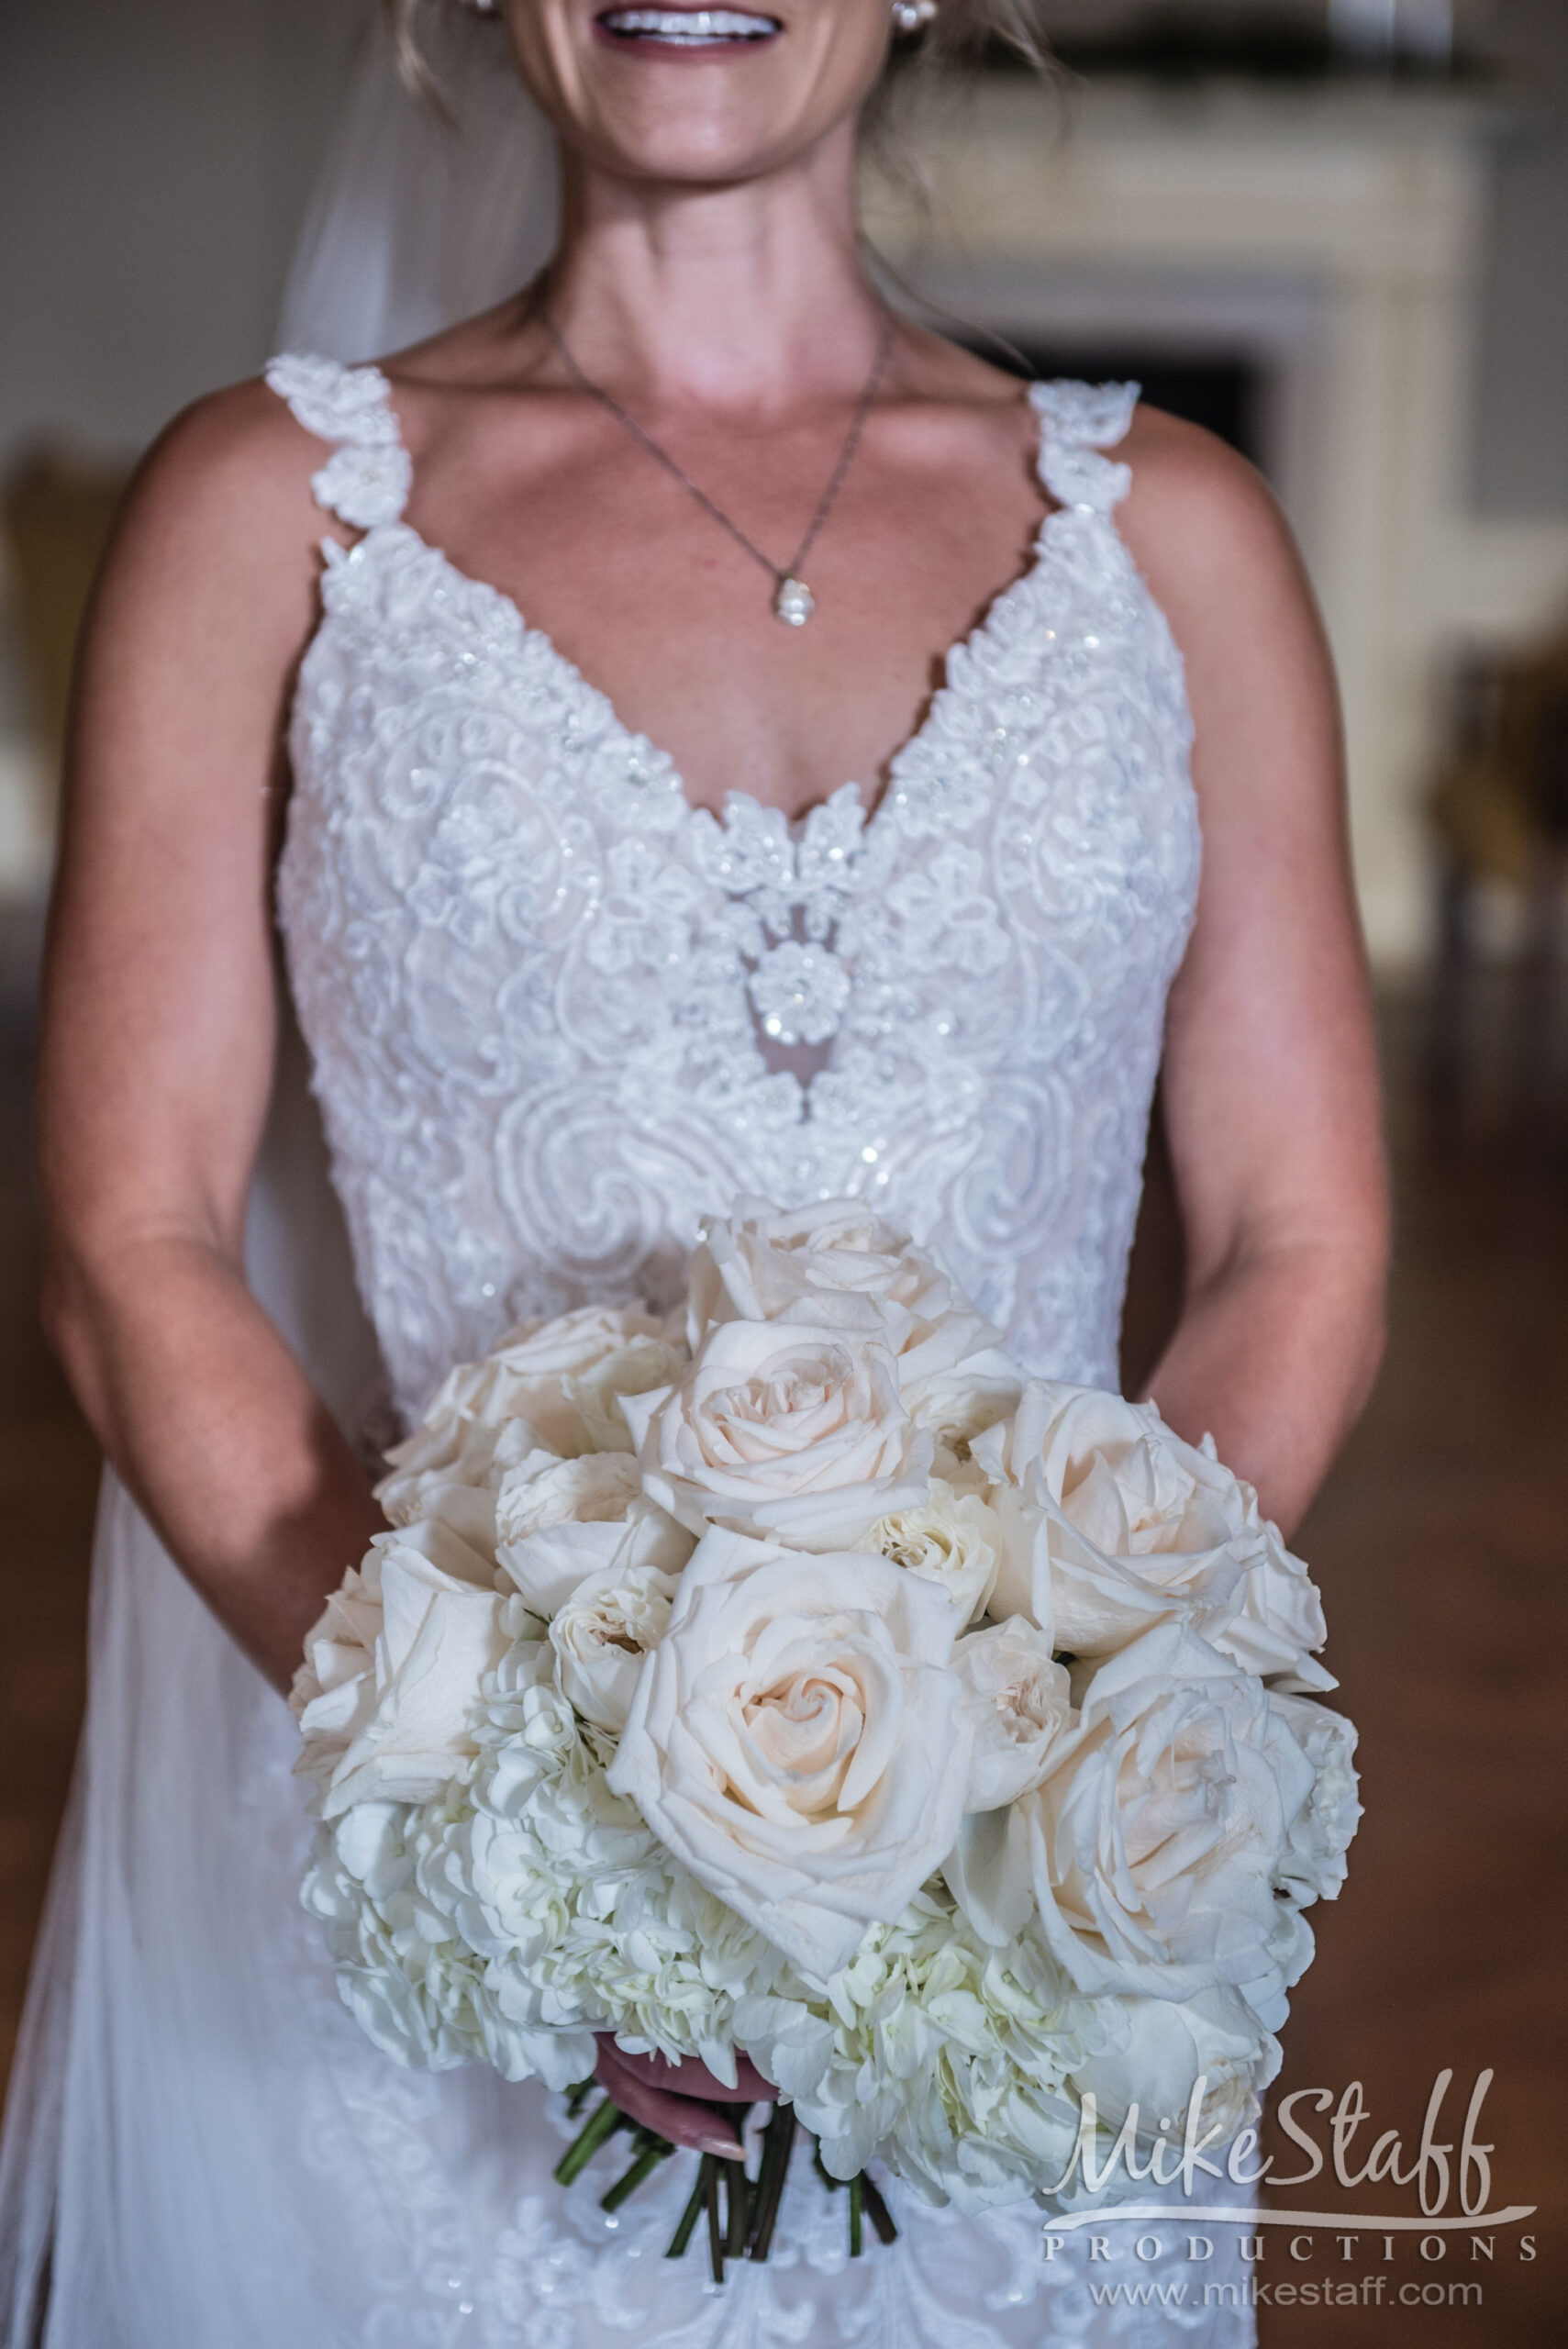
555 1016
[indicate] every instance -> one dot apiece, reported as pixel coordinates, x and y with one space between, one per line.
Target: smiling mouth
687 27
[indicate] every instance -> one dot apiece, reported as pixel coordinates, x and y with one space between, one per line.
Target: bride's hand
669 2099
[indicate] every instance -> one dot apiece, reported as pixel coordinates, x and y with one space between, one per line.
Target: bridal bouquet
798 1677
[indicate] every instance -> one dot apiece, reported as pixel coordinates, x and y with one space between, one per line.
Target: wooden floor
1441 1547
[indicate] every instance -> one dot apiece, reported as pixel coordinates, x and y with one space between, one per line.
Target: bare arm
158 1030
1270 1082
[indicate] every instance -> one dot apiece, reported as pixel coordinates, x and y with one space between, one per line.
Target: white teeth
689 28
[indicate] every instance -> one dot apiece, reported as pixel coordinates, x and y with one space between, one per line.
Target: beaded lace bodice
558 1015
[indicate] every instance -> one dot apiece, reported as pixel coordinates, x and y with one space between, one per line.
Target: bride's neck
748 297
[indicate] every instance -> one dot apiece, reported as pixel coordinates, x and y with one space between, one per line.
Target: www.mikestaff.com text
1250 2292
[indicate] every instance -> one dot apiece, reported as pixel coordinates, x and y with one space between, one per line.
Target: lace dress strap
367 479
1076 422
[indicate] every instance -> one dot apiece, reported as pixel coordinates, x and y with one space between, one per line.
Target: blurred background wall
155 156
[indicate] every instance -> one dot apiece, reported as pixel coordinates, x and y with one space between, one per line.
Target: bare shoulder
1204 525
220 514
236 459
1219 559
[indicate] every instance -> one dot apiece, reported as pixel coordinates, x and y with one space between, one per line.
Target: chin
711 150
696 95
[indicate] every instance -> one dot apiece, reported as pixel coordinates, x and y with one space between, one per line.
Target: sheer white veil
420 218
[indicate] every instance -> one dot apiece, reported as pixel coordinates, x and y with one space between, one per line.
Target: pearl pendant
794 603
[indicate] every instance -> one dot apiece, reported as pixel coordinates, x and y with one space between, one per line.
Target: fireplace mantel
1333 232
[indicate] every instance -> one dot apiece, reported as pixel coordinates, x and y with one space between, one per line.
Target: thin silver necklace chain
793 600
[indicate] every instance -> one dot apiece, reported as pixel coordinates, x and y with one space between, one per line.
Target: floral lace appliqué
558 1015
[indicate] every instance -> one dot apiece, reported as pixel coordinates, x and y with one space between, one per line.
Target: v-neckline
486 592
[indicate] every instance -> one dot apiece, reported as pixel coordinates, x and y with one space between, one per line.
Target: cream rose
1169 2047
1148 1850
1020 1705
1313 1867
952 1539
597 1395
541 1374
559 1522
798 1742
783 1429
1113 1523
763 1263
389 1693
842 1265
959 1403
602 1634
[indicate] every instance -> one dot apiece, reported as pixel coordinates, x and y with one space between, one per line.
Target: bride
588 936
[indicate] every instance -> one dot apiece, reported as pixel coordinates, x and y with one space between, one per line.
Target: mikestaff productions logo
1209 2242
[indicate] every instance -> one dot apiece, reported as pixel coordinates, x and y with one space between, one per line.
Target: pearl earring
912 16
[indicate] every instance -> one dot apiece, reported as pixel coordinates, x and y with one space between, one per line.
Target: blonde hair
960 34
962 31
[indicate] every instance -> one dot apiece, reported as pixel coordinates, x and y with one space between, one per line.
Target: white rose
597 1395
449 1476
559 1522
783 1429
1113 1523
389 1694
1020 1703
463 1499
959 1402
1313 1867
1148 1850
952 1540
1170 2045
798 1742
528 1378
602 1634
761 1263
542 1490
842 1265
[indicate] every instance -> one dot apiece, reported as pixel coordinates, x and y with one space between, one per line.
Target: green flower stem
715 2237
691 2214
744 2226
602 2125
737 2214
877 2210
651 2151
778 2138
577 2095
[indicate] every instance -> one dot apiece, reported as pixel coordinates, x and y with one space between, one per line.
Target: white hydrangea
947 2060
